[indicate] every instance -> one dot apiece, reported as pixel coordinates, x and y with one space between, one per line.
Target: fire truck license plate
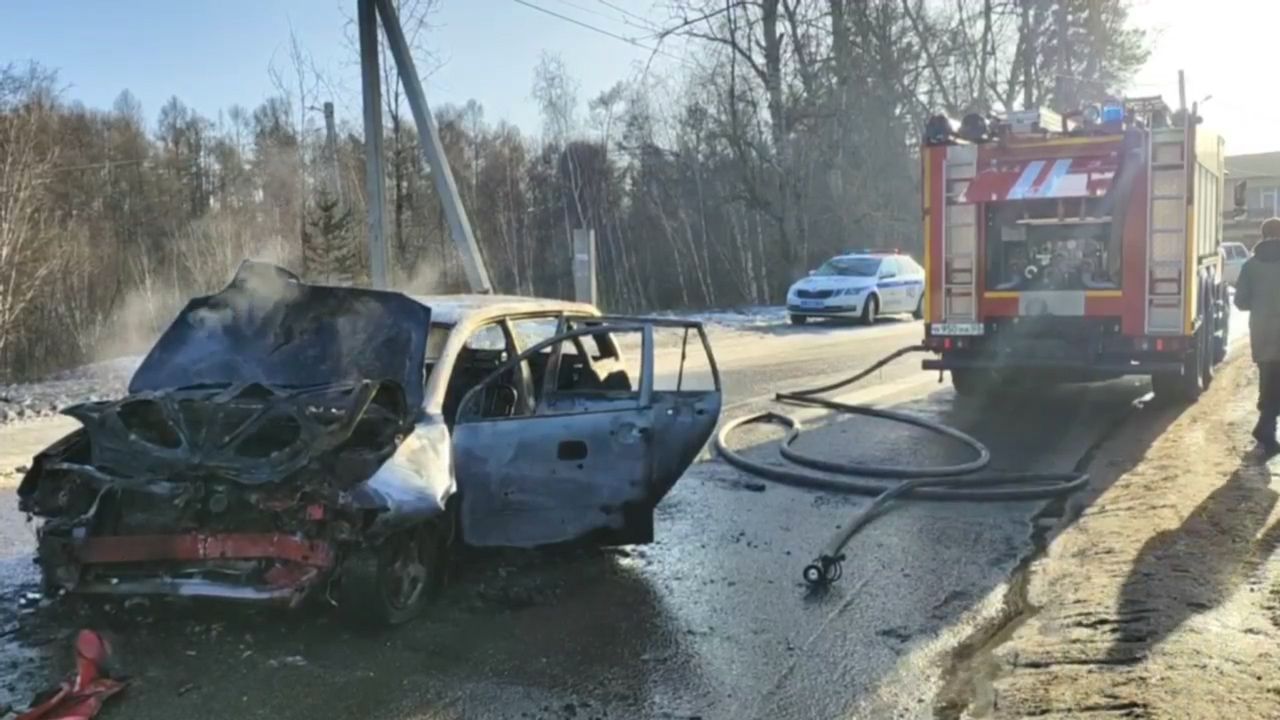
957 329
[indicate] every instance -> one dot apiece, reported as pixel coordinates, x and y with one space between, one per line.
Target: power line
596 13
602 31
645 23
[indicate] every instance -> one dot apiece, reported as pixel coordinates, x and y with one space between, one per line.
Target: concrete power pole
584 266
433 151
1028 56
331 148
375 181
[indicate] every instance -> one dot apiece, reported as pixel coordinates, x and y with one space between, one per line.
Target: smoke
426 278
201 259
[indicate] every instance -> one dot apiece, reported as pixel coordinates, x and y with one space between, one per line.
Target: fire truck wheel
870 310
1184 386
970 383
1208 358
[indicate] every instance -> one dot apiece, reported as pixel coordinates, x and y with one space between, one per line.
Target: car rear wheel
799 319
392 582
918 314
870 310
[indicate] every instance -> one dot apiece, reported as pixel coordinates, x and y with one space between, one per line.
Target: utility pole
375 182
433 150
1182 91
584 266
331 148
1028 56
1064 78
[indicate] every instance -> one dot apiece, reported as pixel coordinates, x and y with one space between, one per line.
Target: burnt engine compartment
250 460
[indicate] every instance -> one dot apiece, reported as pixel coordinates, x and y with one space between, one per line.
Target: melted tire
371 591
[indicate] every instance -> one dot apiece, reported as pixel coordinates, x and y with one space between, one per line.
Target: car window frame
643 398
892 265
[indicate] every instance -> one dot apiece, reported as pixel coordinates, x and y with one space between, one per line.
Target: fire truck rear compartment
1063 349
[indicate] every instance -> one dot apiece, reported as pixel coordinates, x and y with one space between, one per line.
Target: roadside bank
1162 598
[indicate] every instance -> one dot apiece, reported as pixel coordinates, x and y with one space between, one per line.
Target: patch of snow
736 318
98 381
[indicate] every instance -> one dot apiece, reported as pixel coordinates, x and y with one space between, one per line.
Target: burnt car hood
269 328
261 379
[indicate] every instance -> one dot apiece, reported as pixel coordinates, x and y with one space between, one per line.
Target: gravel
98 381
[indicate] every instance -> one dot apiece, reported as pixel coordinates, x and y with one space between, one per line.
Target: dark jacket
1258 293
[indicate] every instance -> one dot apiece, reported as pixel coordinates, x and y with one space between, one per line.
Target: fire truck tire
1185 386
969 382
1223 335
1209 359
870 310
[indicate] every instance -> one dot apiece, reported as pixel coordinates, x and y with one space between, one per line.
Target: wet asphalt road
711 621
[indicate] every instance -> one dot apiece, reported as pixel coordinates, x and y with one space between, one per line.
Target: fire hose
885 483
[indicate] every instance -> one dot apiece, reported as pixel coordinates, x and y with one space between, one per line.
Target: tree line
786 133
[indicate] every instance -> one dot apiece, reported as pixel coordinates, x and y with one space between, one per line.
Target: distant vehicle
283 440
1233 256
864 285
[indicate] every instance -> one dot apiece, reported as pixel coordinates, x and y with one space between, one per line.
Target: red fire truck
1075 248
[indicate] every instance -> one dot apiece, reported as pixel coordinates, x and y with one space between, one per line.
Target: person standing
1258 293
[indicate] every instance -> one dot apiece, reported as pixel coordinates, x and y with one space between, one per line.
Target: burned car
283 440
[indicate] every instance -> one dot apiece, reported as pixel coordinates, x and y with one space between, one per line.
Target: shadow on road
1181 573
532 635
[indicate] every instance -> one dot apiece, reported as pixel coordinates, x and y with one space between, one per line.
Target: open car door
596 446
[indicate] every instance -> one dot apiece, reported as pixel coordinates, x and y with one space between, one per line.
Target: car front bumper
827 309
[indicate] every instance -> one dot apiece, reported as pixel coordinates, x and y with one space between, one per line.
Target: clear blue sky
214 54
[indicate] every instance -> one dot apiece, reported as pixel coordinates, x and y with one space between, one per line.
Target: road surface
710 621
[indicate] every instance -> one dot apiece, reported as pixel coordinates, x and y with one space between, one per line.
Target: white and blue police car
863 285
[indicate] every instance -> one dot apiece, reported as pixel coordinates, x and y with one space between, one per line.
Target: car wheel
918 314
799 319
870 310
392 582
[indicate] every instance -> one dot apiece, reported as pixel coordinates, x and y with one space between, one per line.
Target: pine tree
329 250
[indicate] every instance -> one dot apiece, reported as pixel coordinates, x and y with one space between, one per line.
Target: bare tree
26 165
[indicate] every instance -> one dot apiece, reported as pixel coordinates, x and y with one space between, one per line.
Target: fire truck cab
1075 248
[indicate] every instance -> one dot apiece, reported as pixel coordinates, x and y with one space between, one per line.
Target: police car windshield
850 267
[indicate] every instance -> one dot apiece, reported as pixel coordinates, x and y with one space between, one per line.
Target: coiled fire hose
960 482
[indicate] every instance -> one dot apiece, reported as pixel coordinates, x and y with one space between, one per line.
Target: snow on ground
737 318
98 381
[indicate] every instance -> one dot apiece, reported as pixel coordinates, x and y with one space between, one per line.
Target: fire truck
1075 248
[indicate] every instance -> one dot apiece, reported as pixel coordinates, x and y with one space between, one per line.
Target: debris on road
289 661
82 696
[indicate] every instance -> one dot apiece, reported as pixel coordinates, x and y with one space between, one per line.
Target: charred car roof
466 309
269 327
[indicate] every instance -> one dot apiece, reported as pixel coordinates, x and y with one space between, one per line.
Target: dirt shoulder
1162 599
